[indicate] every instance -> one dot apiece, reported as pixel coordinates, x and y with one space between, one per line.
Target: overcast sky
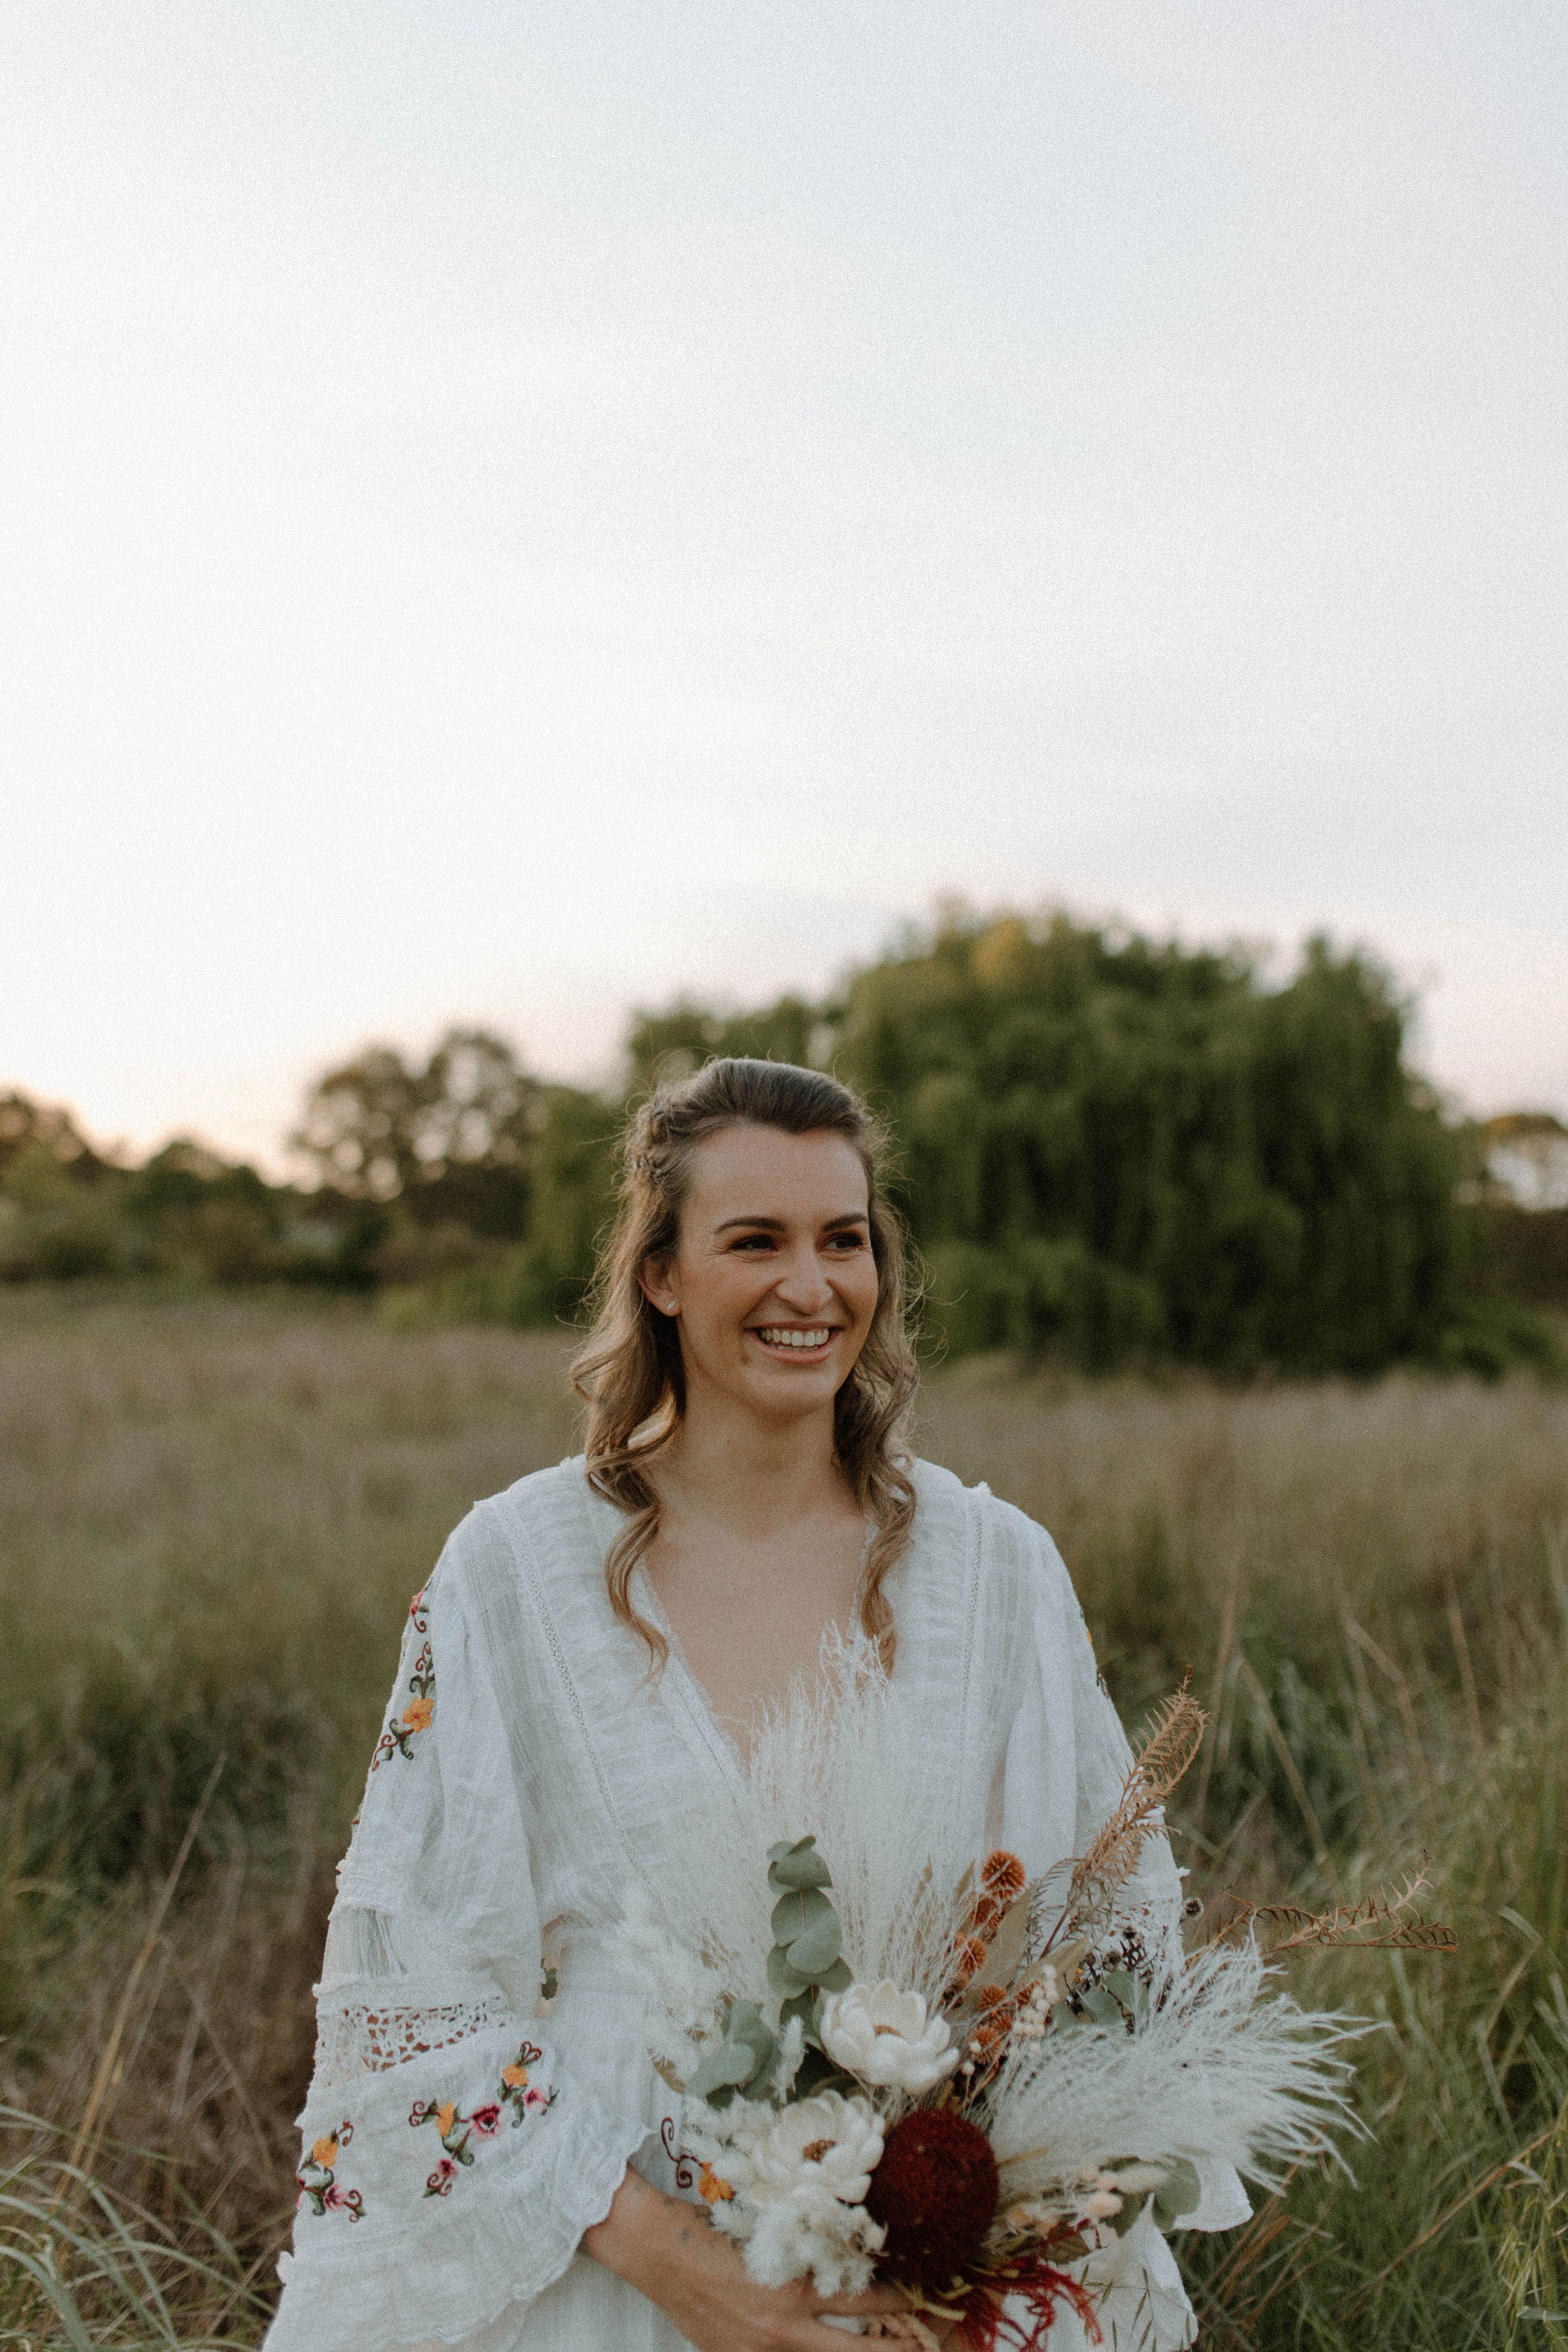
510 510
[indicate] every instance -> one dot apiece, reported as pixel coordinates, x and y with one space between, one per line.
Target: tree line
1109 1149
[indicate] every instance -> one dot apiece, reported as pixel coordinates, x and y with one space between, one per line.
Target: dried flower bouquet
973 2090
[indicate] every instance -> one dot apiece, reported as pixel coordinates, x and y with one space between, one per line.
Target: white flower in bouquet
885 2037
787 2186
827 2144
812 2231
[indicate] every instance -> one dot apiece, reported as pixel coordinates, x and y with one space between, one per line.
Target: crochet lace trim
367 2037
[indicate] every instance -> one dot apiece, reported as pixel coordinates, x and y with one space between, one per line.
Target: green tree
1115 1147
451 1141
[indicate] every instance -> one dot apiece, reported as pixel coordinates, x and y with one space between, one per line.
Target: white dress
459 2137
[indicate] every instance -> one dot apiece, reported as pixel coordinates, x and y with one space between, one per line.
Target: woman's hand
667 2250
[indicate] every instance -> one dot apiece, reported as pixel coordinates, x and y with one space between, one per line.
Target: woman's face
773 1281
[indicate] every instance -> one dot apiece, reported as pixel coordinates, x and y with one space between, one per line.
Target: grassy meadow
212 1513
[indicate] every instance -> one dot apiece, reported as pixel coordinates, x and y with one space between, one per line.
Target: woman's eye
846 1240
753 1242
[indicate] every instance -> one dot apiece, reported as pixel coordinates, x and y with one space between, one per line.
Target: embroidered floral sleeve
452 2160
318 2186
404 1722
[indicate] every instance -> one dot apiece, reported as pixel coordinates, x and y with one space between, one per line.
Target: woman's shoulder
1013 1550
940 1492
544 1522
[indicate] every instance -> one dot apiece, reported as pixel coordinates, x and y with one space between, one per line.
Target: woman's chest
624 1758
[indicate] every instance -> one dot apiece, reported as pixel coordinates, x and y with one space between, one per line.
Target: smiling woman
589 1666
751 1343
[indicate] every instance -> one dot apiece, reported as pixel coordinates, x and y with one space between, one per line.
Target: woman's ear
656 1286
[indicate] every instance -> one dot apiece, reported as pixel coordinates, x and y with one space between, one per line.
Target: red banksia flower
934 2192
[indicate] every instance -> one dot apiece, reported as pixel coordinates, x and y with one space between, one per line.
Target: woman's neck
732 1469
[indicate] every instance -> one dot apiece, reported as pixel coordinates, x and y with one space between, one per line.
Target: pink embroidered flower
486 2121
534 2097
338 2200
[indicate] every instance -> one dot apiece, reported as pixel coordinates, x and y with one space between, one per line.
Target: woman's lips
796 1340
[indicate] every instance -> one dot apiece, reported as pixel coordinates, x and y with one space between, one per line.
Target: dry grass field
212 1513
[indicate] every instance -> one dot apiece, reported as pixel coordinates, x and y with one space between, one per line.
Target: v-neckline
677 1679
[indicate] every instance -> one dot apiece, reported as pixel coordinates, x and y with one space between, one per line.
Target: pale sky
508 512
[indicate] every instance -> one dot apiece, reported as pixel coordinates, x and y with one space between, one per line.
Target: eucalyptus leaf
1101 2006
795 1912
1063 2016
797 1866
784 1981
724 2069
806 2006
836 1979
1131 2205
1123 1986
746 2024
816 1950
1178 2193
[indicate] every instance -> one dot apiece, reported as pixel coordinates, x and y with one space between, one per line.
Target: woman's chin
788 1390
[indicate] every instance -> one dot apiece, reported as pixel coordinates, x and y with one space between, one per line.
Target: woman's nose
801 1284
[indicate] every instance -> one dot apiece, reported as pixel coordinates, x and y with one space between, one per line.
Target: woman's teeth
777 1335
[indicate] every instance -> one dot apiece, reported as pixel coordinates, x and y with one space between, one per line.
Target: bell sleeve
451 2159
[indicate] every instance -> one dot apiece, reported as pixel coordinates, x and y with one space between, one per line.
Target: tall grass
211 1515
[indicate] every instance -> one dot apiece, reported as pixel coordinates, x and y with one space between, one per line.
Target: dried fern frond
1382 1922
1117 1848
1172 1746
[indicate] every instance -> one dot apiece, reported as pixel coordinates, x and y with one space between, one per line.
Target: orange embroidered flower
325 2153
416 1717
445 2117
714 2190
1003 1876
515 2077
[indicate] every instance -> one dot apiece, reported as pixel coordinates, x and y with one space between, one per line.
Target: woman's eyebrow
779 1224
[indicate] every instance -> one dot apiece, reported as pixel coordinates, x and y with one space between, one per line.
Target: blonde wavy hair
630 1371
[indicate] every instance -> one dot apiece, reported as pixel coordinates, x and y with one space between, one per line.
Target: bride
491 2160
